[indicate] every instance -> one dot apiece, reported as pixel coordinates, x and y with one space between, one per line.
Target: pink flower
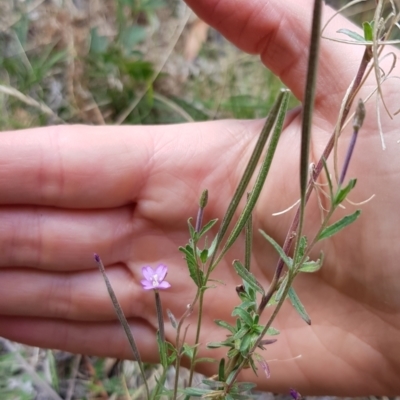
155 279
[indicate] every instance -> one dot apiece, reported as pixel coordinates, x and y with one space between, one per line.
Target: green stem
197 339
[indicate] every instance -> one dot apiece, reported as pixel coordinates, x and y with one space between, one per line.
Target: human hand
126 193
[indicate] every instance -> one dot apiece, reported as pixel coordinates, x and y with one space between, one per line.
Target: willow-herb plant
248 336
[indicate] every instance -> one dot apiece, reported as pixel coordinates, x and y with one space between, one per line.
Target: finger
59 239
82 296
103 339
98 167
280 33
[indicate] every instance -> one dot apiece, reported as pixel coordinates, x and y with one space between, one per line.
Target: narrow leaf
247 277
225 325
195 273
162 350
245 343
294 299
301 249
123 321
281 289
196 392
221 370
245 386
205 359
311 266
368 31
213 247
343 192
248 234
272 331
251 166
353 35
243 315
203 255
339 225
287 260
328 178
207 227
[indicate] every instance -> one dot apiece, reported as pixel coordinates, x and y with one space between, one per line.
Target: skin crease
127 192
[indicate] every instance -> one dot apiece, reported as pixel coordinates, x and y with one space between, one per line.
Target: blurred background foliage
125 61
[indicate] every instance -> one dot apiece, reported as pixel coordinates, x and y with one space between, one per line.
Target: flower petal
161 272
148 273
163 285
146 284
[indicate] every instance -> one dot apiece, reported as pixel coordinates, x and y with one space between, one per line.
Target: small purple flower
155 279
295 394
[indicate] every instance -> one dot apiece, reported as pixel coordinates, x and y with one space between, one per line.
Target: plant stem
198 329
316 172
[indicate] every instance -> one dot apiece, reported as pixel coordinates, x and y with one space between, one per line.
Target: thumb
279 31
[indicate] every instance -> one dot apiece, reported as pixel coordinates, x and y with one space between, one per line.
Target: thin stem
198 330
308 108
357 123
123 321
160 316
317 170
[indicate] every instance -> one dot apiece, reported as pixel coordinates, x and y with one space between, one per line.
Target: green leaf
213 384
261 177
203 255
245 386
287 260
195 273
193 234
229 342
207 227
225 325
247 276
161 351
312 266
205 359
352 35
188 350
250 168
196 392
328 177
213 246
272 331
246 343
368 31
240 333
343 192
281 289
338 226
302 248
294 299
221 370
243 315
